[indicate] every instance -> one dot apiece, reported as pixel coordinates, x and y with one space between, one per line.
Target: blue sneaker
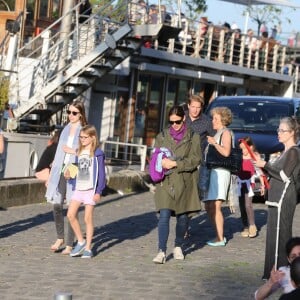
87 254
78 250
217 244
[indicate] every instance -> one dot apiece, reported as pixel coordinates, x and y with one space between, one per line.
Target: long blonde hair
91 131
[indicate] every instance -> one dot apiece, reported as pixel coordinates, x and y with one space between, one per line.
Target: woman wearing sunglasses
177 194
58 188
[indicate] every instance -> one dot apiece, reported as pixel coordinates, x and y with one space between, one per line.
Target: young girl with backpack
89 184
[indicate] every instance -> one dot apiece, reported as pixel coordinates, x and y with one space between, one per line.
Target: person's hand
259 163
211 140
68 150
96 198
232 209
276 276
262 190
168 163
67 174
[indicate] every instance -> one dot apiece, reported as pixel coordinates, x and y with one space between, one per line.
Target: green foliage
196 6
261 14
4 88
116 10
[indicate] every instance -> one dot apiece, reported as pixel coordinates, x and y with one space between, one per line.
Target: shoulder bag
232 163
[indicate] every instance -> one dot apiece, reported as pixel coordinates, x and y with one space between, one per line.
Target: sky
219 11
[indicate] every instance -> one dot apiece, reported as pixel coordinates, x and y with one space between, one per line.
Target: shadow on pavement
201 230
129 228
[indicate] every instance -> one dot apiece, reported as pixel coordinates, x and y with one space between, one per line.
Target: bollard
63 296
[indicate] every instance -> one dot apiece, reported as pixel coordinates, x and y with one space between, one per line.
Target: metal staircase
56 66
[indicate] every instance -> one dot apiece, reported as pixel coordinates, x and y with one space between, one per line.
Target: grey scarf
52 193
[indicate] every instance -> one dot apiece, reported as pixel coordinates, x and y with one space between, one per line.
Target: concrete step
15 192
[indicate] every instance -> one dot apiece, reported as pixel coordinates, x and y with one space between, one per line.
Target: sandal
56 246
67 250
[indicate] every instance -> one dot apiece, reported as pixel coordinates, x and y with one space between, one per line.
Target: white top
85 175
69 144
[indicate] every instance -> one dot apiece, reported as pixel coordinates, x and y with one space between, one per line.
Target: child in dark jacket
89 184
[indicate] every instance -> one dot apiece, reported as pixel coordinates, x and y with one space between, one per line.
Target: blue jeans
182 223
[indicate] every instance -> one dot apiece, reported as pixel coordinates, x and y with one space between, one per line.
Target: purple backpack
156 171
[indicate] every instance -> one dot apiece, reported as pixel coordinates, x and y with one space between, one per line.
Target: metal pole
65 29
63 296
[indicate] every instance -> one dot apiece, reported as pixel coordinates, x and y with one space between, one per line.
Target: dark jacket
178 191
201 126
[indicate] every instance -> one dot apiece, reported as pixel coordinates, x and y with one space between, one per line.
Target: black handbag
233 162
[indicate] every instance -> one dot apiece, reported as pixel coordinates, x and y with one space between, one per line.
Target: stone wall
31 190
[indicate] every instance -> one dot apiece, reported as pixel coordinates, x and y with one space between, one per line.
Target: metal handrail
143 149
43 65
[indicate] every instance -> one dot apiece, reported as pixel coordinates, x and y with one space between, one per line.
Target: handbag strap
232 137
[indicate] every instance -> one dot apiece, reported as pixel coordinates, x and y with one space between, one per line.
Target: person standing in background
8 114
85 10
58 188
200 124
246 183
42 170
283 174
1 142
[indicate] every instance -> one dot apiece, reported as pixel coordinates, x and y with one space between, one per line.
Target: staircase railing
5 42
45 59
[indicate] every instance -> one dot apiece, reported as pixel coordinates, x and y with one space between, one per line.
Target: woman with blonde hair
219 177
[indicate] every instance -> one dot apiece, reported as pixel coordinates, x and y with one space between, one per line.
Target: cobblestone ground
125 242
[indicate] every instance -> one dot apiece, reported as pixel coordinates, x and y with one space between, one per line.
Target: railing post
143 157
63 296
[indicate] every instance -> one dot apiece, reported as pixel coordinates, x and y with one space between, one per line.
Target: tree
193 7
197 6
264 14
4 88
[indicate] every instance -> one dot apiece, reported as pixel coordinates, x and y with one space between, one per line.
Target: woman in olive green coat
177 194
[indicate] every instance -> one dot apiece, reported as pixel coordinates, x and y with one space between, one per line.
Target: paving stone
125 243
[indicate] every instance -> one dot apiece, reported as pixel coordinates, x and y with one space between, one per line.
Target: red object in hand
266 182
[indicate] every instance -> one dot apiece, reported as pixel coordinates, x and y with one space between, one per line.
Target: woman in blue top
58 189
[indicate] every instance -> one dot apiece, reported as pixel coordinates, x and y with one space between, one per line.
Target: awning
286 3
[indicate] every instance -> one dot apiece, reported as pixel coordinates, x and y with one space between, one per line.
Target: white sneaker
177 253
160 258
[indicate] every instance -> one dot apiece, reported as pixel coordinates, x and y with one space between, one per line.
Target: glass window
177 94
183 91
170 97
43 12
148 107
30 12
7 5
55 9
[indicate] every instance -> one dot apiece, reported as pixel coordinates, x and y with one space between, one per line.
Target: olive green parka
179 190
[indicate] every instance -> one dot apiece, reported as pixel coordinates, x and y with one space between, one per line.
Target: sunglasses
74 113
175 122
